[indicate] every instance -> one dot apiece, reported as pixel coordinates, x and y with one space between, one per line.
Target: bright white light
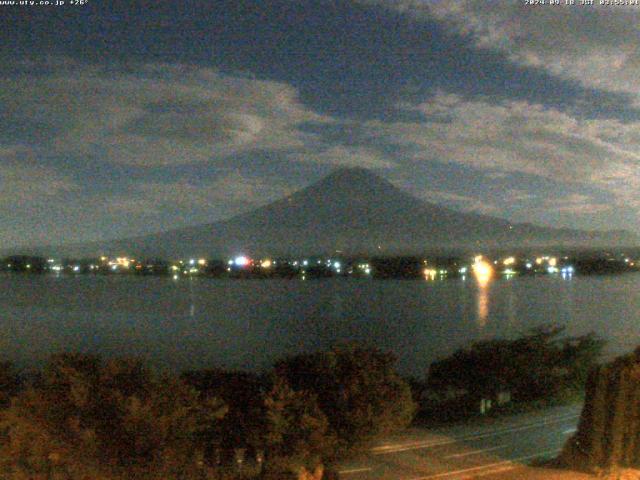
463 270
305 262
76 268
337 265
482 270
192 261
529 265
242 261
367 271
552 270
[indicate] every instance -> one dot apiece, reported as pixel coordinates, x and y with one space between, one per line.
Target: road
466 451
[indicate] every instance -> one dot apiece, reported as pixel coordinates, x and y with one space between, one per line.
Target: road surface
466 451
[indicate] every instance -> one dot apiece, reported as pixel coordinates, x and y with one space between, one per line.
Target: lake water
247 324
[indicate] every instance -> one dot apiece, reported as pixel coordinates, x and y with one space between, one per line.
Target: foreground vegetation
87 418
542 367
81 417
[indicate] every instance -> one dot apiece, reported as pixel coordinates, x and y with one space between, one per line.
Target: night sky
124 118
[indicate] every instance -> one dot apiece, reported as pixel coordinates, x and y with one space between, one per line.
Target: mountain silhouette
352 211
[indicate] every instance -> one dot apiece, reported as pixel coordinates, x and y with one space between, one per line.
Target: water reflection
483 271
483 301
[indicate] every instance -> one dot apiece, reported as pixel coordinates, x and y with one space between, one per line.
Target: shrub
358 390
84 413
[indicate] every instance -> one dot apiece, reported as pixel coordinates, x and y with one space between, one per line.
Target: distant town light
202 262
430 273
120 261
266 263
509 261
482 270
242 261
529 265
305 262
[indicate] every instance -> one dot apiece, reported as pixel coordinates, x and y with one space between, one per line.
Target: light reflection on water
248 324
483 282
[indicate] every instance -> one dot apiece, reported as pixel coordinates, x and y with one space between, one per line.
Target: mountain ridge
354 211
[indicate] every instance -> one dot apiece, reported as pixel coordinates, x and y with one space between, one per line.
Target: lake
247 324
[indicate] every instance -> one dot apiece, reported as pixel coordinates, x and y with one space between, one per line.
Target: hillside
353 211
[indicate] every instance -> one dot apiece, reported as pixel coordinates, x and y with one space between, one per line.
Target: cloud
155 114
514 136
233 192
346 156
27 183
465 203
576 204
593 45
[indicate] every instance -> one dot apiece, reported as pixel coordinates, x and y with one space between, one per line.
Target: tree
110 416
357 388
541 364
9 383
296 430
243 393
